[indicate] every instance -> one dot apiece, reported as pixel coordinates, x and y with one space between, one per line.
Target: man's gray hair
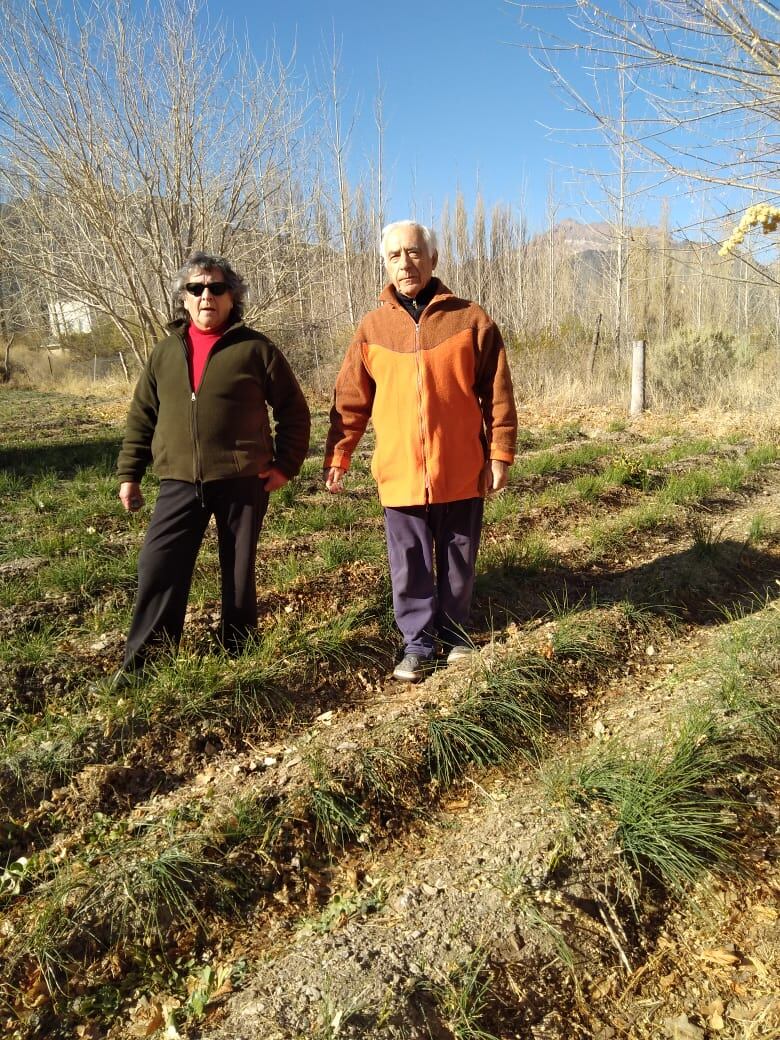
199 263
428 234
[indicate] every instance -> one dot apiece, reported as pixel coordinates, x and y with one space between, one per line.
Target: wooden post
637 378
94 369
594 346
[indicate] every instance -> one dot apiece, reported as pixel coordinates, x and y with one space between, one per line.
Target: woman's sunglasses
215 288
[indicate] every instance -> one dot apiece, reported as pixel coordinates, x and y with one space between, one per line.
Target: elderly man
430 370
200 413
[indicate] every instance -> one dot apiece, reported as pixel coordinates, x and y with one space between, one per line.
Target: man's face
407 260
207 311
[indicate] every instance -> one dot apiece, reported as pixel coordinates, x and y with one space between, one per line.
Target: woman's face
208 311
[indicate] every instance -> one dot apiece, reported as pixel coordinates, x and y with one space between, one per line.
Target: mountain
600 236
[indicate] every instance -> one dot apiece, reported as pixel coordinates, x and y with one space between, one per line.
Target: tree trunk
5 368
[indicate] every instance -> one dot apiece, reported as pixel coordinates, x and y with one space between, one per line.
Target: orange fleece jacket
439 394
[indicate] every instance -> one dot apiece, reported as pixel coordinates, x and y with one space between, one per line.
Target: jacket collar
388 295
180 326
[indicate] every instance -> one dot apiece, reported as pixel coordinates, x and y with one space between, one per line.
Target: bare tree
479 249
552 256
709 72
132 136
379 195
338 138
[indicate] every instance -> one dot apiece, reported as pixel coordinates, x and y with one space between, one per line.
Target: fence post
594 346
637 377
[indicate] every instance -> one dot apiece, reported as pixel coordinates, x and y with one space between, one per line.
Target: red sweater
199 346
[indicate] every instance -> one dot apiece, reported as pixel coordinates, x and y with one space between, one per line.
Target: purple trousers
432 552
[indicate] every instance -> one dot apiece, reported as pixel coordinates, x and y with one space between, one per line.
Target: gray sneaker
460 652
413 668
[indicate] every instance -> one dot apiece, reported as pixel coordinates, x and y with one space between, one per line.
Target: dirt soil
393 937
474 882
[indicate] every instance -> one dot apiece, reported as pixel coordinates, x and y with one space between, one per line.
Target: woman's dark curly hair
199 263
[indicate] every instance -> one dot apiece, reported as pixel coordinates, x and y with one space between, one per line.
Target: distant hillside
599 237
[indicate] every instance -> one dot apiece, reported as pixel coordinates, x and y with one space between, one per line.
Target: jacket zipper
196 450
197 469
420 410
197 462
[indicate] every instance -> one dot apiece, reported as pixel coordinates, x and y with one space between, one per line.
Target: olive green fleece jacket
223 430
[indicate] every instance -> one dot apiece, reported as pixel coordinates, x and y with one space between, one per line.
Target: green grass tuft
338 818
464 997
669 819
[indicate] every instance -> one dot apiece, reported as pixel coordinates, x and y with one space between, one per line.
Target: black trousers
167 562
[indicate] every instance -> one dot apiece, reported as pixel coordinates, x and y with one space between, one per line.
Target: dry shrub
705 369
693 369
554 372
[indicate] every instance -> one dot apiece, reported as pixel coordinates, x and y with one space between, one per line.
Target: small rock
681 1029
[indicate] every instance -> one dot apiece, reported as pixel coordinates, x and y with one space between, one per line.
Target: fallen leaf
765 913
747 1012
758 964
205 777
37 992
681 1029
602 988
715 1007
146 1018
722 955
89 1031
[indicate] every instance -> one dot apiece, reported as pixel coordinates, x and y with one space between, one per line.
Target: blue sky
463 102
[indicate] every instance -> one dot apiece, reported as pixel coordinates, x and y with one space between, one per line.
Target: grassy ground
156 847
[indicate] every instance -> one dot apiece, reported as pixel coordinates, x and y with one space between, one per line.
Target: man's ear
434 259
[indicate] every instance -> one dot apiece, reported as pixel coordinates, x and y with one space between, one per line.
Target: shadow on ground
30 462
701 585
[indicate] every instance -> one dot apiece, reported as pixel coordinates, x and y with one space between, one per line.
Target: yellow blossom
768 217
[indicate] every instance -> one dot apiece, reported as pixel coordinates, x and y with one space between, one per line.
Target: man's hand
334 479
274 478
495 475
130 496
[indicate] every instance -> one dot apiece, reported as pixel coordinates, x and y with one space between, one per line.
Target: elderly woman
200 415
